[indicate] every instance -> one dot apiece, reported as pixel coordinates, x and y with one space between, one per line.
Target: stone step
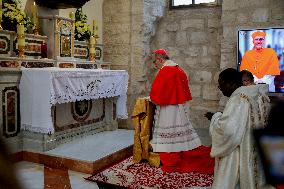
87 155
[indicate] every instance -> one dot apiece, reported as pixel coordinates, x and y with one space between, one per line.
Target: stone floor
32 176
96 146
90 148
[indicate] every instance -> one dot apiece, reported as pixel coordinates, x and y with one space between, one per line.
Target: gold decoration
21 51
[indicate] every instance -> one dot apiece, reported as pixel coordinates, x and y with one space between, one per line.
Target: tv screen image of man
261 62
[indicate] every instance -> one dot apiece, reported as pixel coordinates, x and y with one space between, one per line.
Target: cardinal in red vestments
174 137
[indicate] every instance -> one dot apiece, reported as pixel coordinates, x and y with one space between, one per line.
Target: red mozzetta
170 87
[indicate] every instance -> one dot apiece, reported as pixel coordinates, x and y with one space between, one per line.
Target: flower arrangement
82 29
13 15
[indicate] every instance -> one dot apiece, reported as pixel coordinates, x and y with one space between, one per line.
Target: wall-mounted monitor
261 51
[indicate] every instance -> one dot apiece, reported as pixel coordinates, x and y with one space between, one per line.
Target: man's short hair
231 76
248 74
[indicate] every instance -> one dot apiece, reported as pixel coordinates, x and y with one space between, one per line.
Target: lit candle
0 10
92 45
20 29
92 40
94 28
92 50
21 42
34 12
72 15
21 37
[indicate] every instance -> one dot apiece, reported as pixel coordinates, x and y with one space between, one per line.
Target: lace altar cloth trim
86 85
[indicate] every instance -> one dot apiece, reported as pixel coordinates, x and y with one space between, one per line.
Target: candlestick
94 28
35 18
92 48
21 40
1 12
20 29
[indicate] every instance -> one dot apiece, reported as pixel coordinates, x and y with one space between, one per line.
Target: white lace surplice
173 131
40 88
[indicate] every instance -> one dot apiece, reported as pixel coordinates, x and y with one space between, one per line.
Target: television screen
261 51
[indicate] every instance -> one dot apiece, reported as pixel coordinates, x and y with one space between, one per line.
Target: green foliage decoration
13 15
82 29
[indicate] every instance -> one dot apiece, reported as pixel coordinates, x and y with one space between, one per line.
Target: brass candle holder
36 30
92 52
21 51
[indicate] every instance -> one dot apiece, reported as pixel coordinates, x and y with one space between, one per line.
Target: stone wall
244 14
202 40
128 28
192 38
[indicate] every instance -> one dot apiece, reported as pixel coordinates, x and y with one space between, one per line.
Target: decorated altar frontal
40 89
58 105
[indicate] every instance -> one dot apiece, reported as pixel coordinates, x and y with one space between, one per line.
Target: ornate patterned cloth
236 159
143 176
40 88
142 118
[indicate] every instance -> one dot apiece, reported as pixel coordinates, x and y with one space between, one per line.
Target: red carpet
138 176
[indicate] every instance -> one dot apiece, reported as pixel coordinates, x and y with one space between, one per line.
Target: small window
189 3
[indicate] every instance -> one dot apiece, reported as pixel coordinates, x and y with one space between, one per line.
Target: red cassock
170 87
195 160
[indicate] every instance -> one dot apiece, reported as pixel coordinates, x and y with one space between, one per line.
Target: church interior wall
192 38
201 40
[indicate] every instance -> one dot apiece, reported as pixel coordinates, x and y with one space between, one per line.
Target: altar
42 88
59 103
71 93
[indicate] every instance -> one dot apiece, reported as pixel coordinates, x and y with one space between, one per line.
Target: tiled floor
90 148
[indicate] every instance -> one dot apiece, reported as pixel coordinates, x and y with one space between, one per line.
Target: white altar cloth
40 88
